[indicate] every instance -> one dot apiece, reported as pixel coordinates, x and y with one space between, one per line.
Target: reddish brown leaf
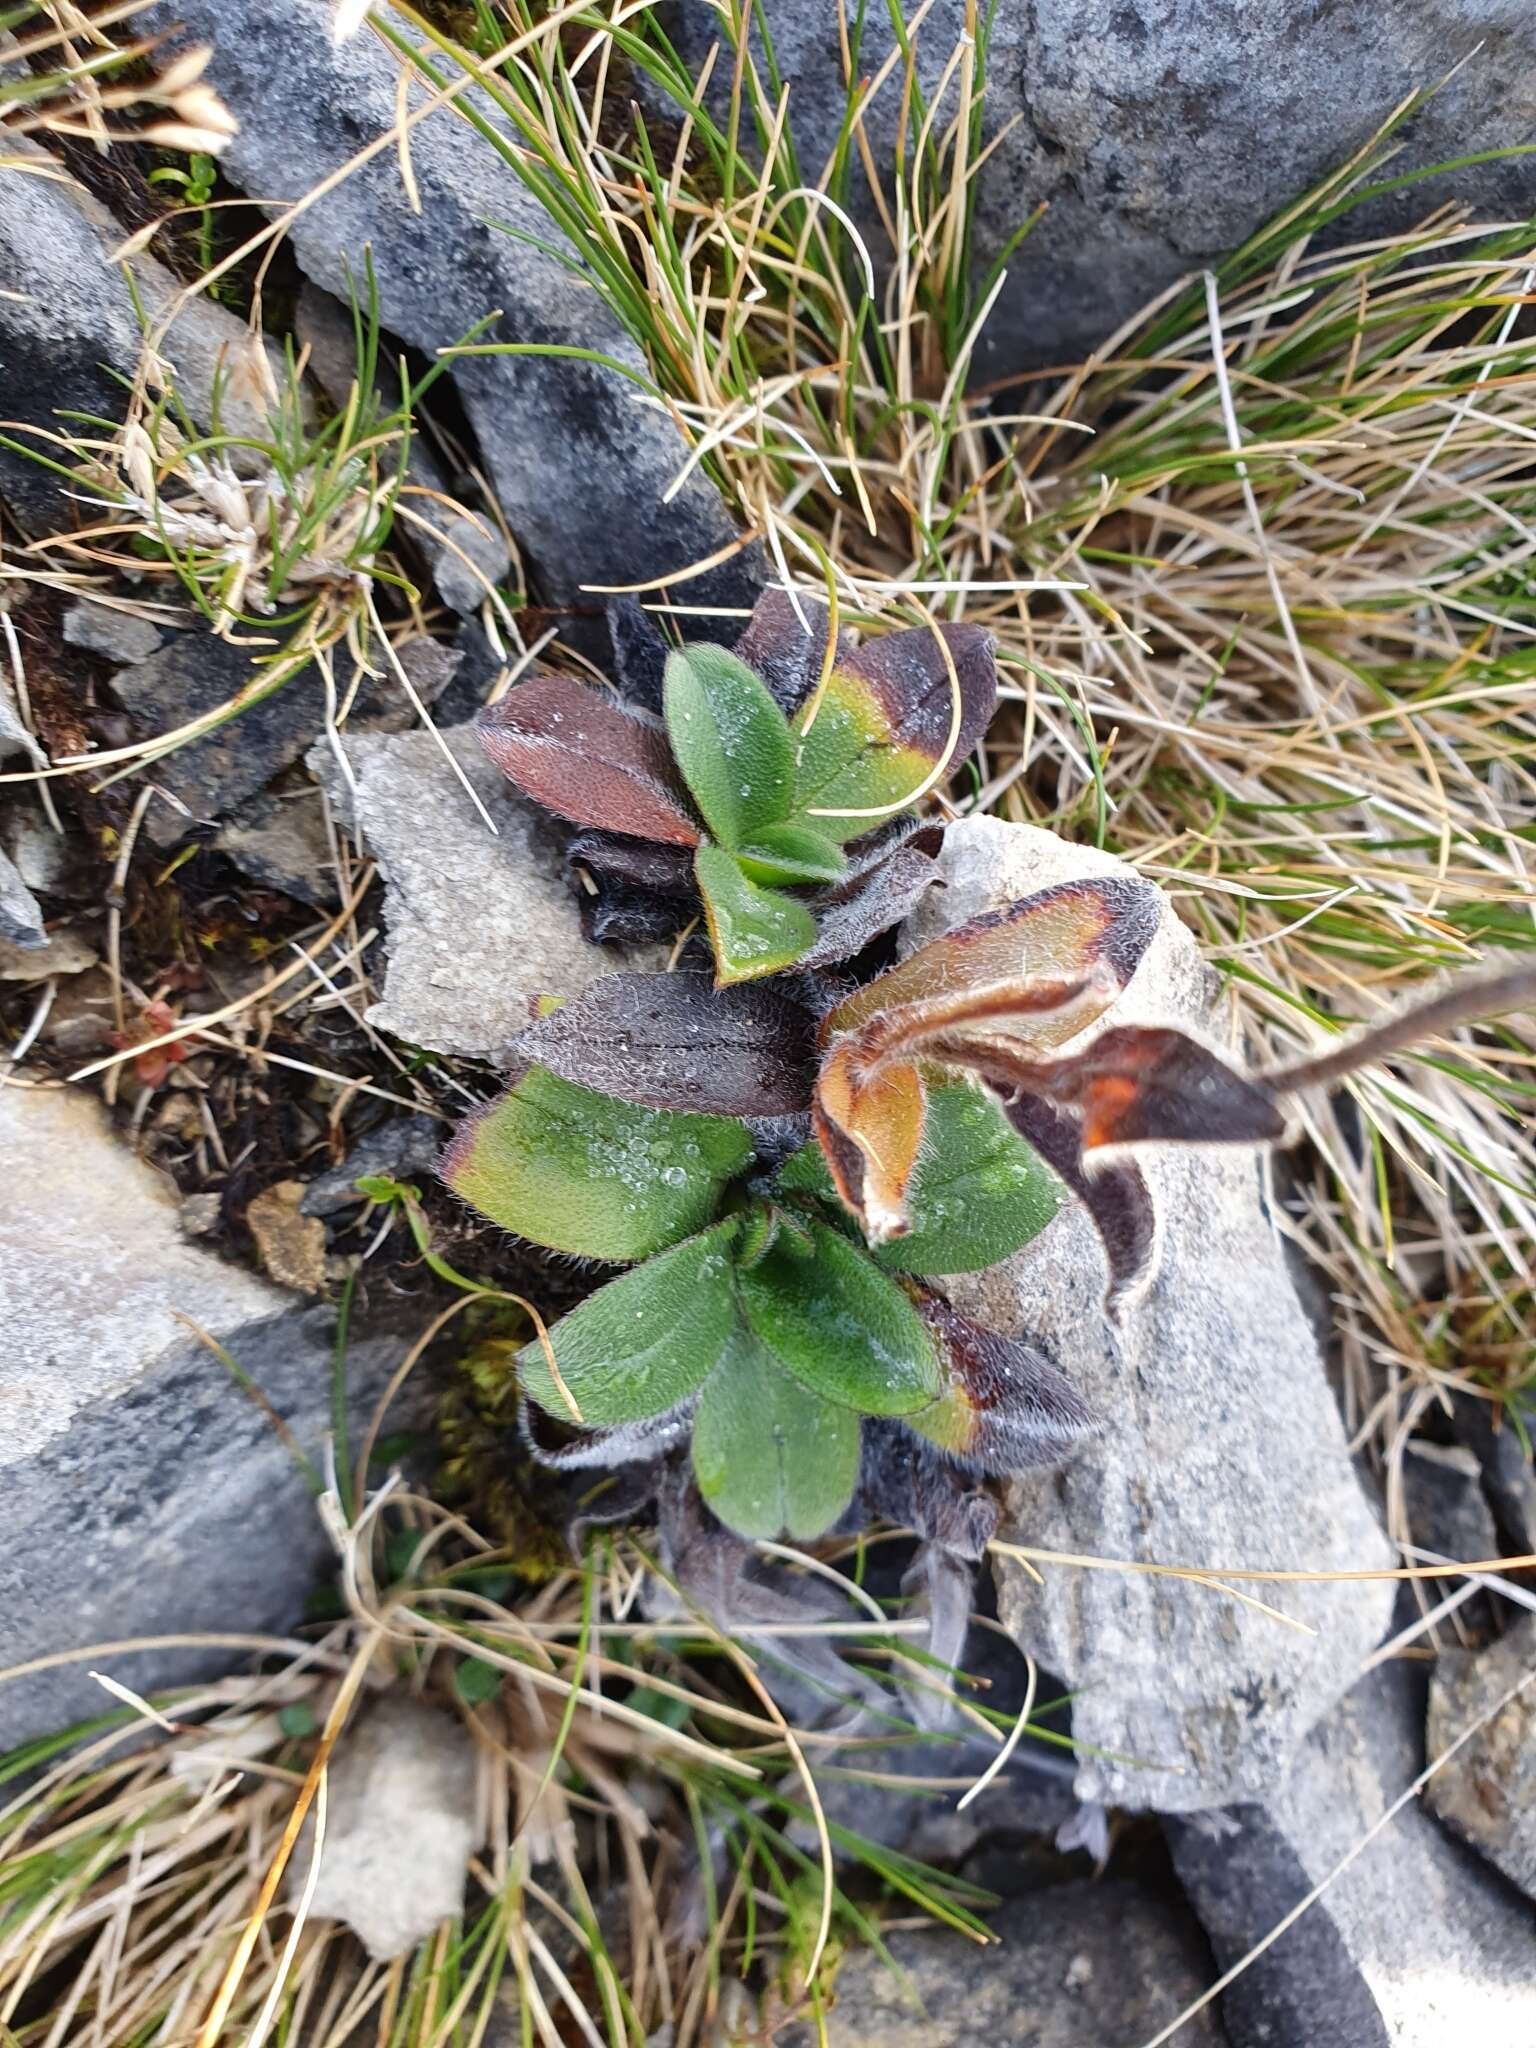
870 1126
675 1041
584 758
1089 934
1139 1083
909 680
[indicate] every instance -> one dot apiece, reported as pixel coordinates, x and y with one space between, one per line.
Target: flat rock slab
1416 1944
479 923
196 674
578 465
1221 1445
1487 1792
142 1492
1081 1966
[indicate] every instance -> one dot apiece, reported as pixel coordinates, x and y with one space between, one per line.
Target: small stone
399 1829
468 546
1221 1441
1508 1478
199 1215
64 952
405 1145
479 923
116 635
1078 1966
292 1245
280 841
21 915
1448 1516
1487 1792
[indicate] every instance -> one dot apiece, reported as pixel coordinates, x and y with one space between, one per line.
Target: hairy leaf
978 1191
870 1126
639 653
675 1041
646 863
840 1325
849 917
573 1169
1091 932
643 1343
1140 1082
584 758
1005 1408
772 1458
885 721
621 1443
777 646
791 853
731 742
1115 1194
754 931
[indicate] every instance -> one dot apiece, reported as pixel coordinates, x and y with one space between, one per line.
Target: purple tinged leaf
777 647
640 653
880 899
586 759
1006 1408
644 863
909 1481
1115 1194
1137 1082
909 680
675 1041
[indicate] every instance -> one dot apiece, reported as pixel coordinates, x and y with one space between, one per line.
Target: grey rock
1221 1445
478 924
1160 137
195 673
1508 1478
578 466
65 953
280 841
15 738
1106 1964
40 856
400 1827
1446 1507
1487 1792
403 1146
116 635
144 1493
1413 1945
69 334
21 915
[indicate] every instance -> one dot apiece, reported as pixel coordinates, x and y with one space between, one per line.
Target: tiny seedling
780 1306
765 783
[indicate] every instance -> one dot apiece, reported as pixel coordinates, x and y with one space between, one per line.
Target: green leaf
979 1192
578 1171
771 1457
850 761
754 931
841 1327
792 853
731 741
644 1342
475 1681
